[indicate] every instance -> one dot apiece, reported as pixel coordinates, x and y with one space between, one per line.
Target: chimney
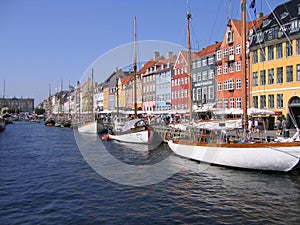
169 55
156 55
259 15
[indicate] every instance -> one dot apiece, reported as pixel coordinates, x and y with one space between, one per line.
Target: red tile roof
126 80
209 49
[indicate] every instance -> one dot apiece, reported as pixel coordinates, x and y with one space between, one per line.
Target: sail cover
129 124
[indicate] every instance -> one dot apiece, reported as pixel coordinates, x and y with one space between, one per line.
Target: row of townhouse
273 72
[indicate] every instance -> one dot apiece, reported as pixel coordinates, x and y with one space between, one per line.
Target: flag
252 6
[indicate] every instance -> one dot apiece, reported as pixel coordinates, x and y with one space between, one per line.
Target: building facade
204 76
18 104
275 59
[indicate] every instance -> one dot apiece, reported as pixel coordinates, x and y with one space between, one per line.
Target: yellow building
275 60
106 90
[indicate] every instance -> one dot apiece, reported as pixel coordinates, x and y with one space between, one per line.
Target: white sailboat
214 147
133 131
91 126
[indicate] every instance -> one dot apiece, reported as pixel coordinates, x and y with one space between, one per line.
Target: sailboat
214 146
135 130
91 126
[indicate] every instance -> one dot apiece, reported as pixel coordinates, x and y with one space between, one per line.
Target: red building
228 66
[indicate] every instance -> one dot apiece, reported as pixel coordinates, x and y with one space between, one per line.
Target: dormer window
229 36
266 22
284 15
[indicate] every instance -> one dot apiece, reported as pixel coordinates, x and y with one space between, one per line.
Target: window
279 75
255 57
226 103
271 76
262 77
231 51
204 62
219 86
239 102
255 102
238 49
231 103
238 66
255 79
211 92
219 55
204 94
225 68
298 72
204 75
194 77
211 74
225 52
262 101
279 51
199 94
219 70
230 36
279 101
289 48
231 67
271 101
298 45
199 76
271 52
199 64
231 84
210 60
226 85
289 74
238 84
262 55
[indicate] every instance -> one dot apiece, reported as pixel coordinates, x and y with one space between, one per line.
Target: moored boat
215 145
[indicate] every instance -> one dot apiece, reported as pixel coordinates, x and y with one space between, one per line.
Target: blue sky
45 41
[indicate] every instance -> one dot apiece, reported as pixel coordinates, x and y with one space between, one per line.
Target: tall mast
243 65
189 69
117 89
134 71
93 117
69 92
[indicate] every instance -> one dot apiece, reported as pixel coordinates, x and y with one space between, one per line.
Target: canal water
47 177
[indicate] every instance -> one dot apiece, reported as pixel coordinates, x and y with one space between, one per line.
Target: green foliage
39 111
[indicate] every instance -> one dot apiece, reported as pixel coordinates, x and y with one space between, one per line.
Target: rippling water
45 179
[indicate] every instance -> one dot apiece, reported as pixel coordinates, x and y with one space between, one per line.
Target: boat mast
93 116
117 89
243 65
189 69
134 71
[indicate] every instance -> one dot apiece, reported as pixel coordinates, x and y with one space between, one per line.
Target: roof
209 49
125 80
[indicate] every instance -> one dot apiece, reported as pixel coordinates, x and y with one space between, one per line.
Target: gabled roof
125 80
184 55
149 64
209 49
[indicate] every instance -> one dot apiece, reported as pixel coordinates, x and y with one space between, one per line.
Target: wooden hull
90 127
259 156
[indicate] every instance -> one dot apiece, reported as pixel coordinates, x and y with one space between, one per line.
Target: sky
46 42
